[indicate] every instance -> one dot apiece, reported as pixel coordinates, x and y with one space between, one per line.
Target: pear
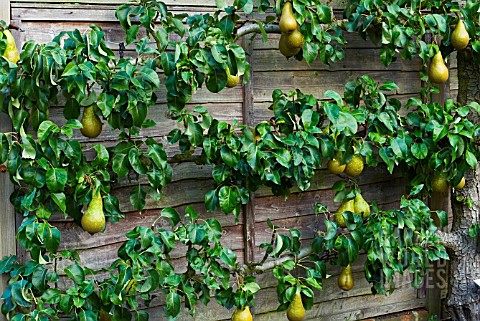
440 182
344 207
285 49
242 315
355 166
93 220
232 80
92 126
11 52
335 167
460 184
296 311
460 37
287 22
345 279
438 71
361 206
295 39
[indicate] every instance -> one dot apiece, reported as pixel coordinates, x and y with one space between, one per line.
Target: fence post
7 213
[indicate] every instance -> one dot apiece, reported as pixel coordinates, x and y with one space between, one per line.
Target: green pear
11 52
92 126
345 279
460 37
287 21
344 207
242 315
438 71
361 206
232 80
296 311
285 49
295 39
93 220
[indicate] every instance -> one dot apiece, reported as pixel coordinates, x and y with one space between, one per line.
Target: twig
450 240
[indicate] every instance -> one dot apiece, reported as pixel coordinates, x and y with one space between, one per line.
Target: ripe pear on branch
92 126
460 37
242 315
345 279
296 311
438 71
361 206
287 21
93 220
11 52
346 206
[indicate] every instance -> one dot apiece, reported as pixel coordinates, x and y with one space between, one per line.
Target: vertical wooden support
7 213
249 208
438 201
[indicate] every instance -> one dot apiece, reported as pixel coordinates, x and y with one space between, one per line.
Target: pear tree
434 145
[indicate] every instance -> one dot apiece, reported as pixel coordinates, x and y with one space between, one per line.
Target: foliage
54 173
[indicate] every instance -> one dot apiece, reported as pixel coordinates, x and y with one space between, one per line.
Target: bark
463 302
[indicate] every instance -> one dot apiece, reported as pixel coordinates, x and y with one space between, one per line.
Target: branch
306 251
450 240
274 28
255 28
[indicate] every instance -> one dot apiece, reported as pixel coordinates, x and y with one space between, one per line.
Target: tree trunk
463 302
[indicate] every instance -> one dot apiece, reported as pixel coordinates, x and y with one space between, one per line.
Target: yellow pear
285 49
92 126
361 206
93 220
335 167
460 37
440 183
347 205
296 311
345 279
232 80
460 184
438 71
287 22
295 39
11 52
242 315
355 166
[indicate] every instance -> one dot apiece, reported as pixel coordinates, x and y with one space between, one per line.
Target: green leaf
151 76
137 165
60 199
251 287
172 304
56 179
471 159
45 128
76 273
120 165
443 218
228 198
216 80
419 150
324 13
229 257
137 197
172 215
389 85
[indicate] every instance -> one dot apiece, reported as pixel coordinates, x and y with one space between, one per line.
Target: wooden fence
270 70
